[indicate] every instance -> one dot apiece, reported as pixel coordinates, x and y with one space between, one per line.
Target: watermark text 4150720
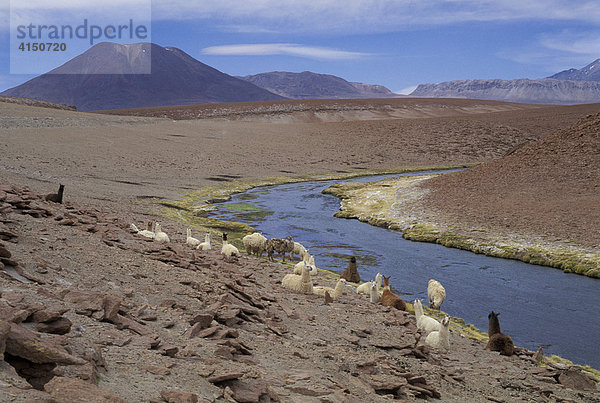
46 35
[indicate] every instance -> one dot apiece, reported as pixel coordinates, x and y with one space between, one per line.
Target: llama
436 294
206 244
374 294
228 249
190 240
148 233
278 245
388 298
255 244
365 288
424 322
498 341
440 338
159 235
56 197
301 283
351 273
299 250
335 293
307 260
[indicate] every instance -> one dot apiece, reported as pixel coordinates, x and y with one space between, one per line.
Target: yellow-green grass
193 208
387 203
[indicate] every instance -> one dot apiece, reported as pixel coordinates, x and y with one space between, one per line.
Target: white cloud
349 16
584 43
261 49
554 52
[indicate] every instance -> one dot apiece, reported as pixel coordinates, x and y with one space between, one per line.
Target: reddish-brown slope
549 187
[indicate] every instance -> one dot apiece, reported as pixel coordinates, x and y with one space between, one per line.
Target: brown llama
388 298
56 197
351 273
498 341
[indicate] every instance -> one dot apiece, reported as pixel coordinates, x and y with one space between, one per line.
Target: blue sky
396 43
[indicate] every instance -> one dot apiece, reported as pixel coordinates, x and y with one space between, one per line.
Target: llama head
157 227
353 259
493 316
149 226
224 236
446 321
386 281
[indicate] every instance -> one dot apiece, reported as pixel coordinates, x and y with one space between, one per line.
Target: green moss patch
388 203
241 207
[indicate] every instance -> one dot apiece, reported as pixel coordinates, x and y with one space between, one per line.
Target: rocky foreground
92 312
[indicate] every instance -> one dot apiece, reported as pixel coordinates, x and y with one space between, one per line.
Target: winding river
538 305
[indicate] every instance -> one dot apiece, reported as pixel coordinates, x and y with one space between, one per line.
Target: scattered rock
22 342
173 396
228 376
575 379
69 390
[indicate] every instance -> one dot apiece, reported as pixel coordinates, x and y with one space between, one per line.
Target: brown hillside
547 187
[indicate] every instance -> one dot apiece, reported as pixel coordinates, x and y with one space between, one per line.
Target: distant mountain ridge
176 79
591 72
309 85
541 91
567 87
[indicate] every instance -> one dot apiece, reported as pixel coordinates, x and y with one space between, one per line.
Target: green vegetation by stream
193 209
395 203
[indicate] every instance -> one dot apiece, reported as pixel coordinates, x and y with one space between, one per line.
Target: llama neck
339 287
306 274
444 331
352 267
493 326
418 309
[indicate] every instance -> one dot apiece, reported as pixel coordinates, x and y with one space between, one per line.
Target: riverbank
121 316
194 208
397 203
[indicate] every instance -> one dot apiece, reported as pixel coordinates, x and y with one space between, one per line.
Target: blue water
538 305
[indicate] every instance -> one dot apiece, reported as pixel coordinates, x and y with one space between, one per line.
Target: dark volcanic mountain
591 72
176 79
308 85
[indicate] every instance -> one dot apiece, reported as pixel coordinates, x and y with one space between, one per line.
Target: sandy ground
116 160
132 303
550 187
